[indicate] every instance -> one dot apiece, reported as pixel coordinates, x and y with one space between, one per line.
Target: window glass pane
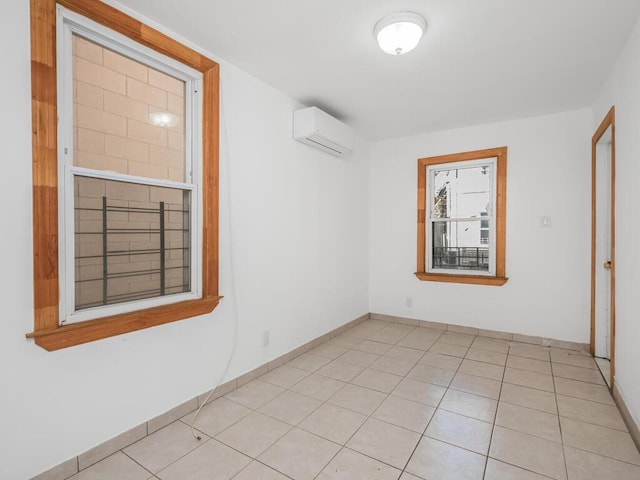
461 192
131 241
127 117
460 246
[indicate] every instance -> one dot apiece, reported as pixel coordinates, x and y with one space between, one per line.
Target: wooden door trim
608 121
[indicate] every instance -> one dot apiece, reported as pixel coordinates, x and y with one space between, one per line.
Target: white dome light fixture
399 33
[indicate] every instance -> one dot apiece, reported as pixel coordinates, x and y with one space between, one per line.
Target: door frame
608 121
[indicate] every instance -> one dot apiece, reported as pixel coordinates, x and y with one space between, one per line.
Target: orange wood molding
470 279
47 331
92 330
501 216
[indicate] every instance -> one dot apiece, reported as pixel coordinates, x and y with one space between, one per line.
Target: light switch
545 222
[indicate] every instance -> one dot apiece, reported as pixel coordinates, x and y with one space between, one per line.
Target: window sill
92 330
469 279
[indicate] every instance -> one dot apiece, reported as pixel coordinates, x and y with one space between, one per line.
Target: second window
461 217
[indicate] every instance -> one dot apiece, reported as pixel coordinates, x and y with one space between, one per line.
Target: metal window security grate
461 258
144 252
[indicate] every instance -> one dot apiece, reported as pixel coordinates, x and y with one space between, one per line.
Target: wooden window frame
47 333
500 207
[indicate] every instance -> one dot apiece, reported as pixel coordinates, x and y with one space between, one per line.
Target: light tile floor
605 368
387 401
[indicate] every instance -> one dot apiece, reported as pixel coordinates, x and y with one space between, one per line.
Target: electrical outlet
409 302
265 338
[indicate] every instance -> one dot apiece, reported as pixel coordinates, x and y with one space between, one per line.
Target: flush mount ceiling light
399 33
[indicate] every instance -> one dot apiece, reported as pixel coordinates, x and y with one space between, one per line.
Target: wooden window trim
500 277
47 332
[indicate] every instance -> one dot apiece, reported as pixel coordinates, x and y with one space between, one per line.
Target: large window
461 217
125 182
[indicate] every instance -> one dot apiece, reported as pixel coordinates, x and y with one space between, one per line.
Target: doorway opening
602 339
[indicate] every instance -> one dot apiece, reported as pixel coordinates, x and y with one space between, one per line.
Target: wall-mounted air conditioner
320 130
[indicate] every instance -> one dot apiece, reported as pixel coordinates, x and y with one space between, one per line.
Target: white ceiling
480 60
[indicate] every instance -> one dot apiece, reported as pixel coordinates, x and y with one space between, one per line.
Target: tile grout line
523 468
417 362
342 446
555 397
495 416
561 443
389 394
389 320
192 450
137 462
285 389
404 469
370 416
535 436
311 413
213 437
480 361
637 465
261 463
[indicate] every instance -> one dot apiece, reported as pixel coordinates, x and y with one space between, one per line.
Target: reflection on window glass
461 192
127 117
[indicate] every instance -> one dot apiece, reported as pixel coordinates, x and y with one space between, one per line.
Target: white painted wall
622 89
295 217
548 173
296 229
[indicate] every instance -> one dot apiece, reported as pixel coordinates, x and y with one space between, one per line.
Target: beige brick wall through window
114 101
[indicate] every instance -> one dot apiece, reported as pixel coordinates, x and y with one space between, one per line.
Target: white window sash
69 23
490 217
